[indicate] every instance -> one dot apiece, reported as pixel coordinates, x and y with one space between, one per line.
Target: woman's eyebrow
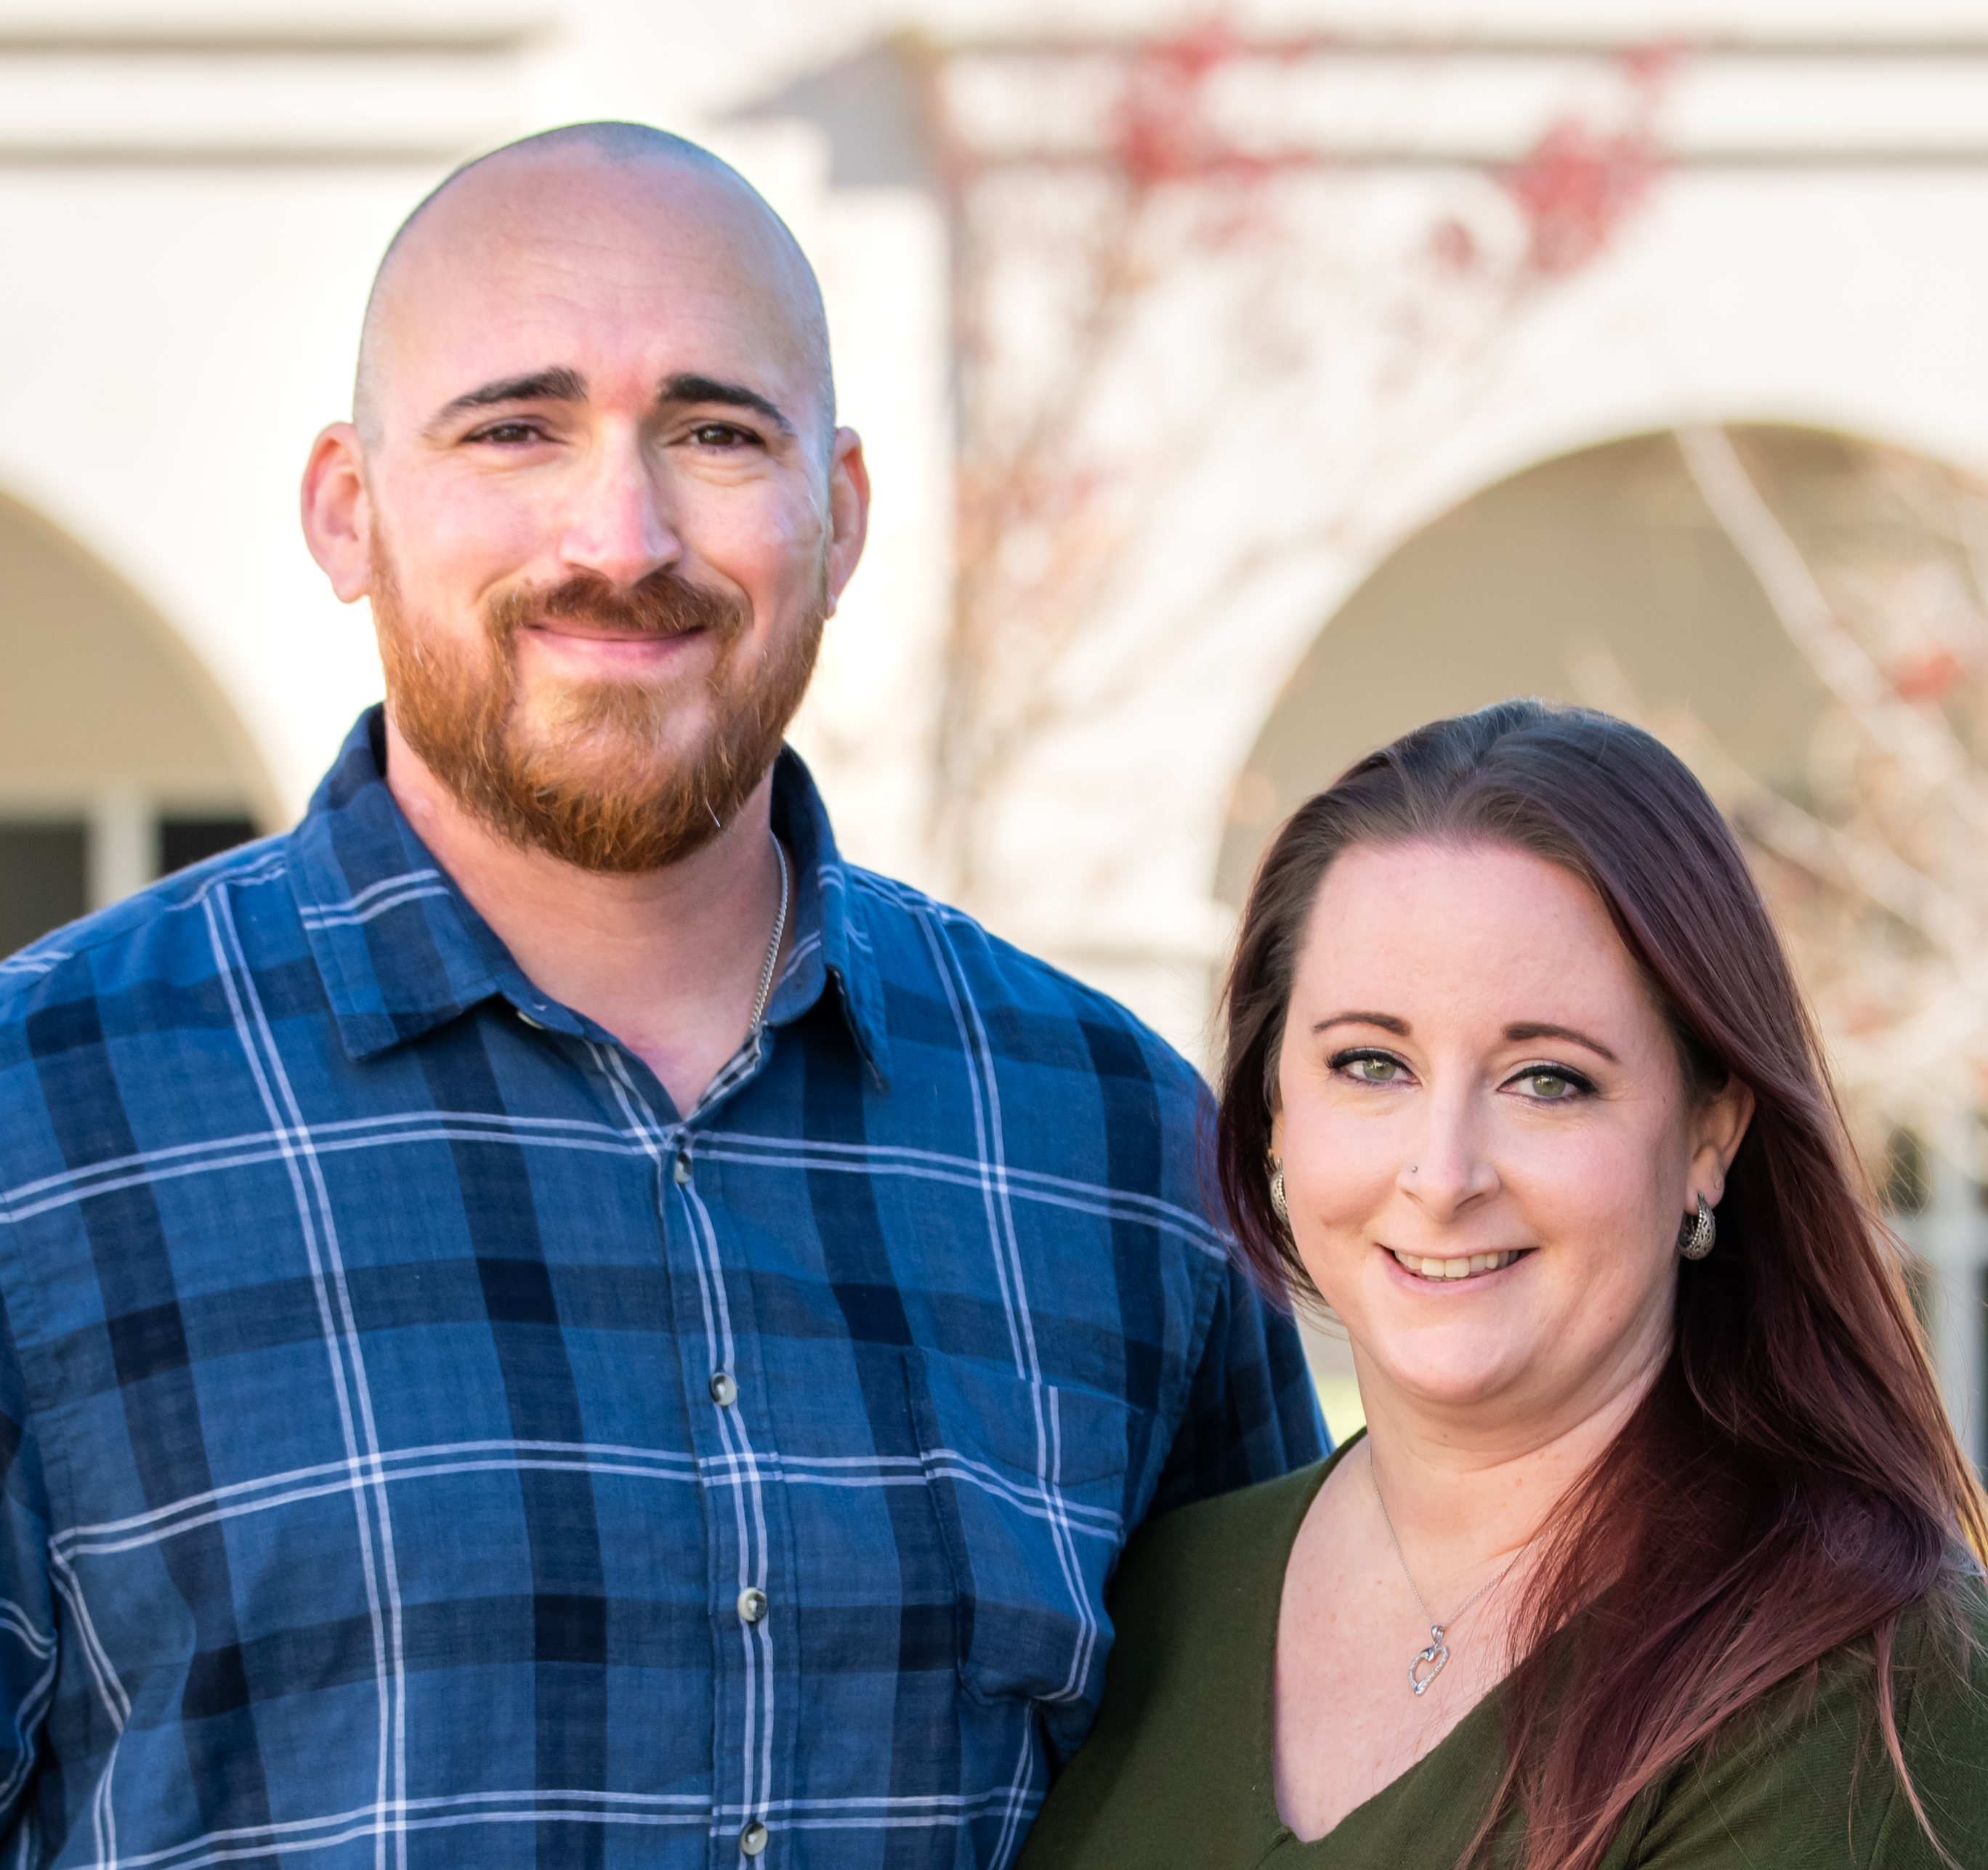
1541 1029
1386 1021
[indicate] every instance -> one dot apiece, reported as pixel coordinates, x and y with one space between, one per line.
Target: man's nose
1446 1168
618 526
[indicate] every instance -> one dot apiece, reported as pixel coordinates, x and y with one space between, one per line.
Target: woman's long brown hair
1790 1484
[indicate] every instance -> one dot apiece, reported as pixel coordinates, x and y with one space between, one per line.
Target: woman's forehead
1478 933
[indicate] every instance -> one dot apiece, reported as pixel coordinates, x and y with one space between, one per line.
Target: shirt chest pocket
1027 1481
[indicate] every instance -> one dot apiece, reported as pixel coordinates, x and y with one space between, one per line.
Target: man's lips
596 643
574 630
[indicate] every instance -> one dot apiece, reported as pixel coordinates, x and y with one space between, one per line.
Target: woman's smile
1428 1270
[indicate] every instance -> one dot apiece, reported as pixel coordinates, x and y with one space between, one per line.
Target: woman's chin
1458 1364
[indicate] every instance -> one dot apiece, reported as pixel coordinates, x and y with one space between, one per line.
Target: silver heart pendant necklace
1429 1663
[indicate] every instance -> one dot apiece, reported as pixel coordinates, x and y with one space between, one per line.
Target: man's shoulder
1021 1001
162 933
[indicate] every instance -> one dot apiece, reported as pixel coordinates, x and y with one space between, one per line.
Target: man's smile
571 640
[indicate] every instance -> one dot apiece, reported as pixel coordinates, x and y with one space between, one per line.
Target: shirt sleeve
28 1644
1252 1411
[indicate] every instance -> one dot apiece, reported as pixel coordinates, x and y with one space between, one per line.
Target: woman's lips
1473 1266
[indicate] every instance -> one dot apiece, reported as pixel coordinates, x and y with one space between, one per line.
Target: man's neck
669 961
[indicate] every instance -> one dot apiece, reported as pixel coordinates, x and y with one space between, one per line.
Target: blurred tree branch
1879 876
1155 294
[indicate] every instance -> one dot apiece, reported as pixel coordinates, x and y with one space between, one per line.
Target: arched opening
1611 577
120 758
1512 592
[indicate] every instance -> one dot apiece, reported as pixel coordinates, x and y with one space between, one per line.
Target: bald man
549 1320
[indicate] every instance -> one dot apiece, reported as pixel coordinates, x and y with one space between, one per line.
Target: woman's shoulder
1942 1686
1207 1574
1808 1780
1174 1770
1263 1519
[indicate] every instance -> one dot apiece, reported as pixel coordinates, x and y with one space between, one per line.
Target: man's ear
337 512
848 511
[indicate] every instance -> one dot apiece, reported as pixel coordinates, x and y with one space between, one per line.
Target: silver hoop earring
1695 1238
1277 1200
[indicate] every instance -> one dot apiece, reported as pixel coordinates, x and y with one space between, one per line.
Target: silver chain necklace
773 955
1436 1653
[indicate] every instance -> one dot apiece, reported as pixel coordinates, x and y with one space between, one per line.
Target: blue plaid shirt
424 1445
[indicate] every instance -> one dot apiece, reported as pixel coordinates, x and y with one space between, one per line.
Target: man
549 1320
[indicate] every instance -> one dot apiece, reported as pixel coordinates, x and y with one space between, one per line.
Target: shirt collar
400 950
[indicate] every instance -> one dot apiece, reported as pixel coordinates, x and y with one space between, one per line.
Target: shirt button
751 1604
724 1390
753 1839
682 1169
525 1019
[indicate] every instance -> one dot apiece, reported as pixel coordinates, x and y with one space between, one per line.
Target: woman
1656 1549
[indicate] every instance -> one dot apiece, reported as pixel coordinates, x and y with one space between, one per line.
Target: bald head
589 193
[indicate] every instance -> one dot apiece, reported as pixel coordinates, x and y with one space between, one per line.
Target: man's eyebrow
692 389
1386 1021
1540 1028
555 385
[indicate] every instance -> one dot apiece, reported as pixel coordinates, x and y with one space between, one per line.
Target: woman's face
1487 1141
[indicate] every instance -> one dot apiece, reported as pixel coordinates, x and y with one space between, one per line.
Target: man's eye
508 435
721 436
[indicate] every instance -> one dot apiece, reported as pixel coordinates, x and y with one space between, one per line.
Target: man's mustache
663 604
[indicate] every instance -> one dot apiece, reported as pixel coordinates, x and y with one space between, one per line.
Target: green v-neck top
1178 1772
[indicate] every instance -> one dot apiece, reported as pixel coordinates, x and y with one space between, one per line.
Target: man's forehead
576 255
615 269
615 319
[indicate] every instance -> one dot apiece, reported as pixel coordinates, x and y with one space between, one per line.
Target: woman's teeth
1455 1269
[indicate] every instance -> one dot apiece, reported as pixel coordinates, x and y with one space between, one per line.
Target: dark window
192 840
44 879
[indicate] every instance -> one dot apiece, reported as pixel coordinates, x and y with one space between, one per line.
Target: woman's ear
1719 1126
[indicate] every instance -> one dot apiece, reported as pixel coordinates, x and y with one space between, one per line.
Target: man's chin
610 732
608 766
669 709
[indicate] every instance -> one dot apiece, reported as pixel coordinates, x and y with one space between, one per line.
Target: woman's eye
1370 1067
1550 1087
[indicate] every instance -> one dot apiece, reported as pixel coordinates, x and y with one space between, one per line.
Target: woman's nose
1444 1168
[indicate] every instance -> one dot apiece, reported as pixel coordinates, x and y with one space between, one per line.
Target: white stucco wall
191 212
193 194
1803 296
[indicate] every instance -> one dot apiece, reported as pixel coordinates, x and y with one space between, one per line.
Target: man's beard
587 771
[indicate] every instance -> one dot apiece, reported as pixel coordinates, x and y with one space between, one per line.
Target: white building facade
193 193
